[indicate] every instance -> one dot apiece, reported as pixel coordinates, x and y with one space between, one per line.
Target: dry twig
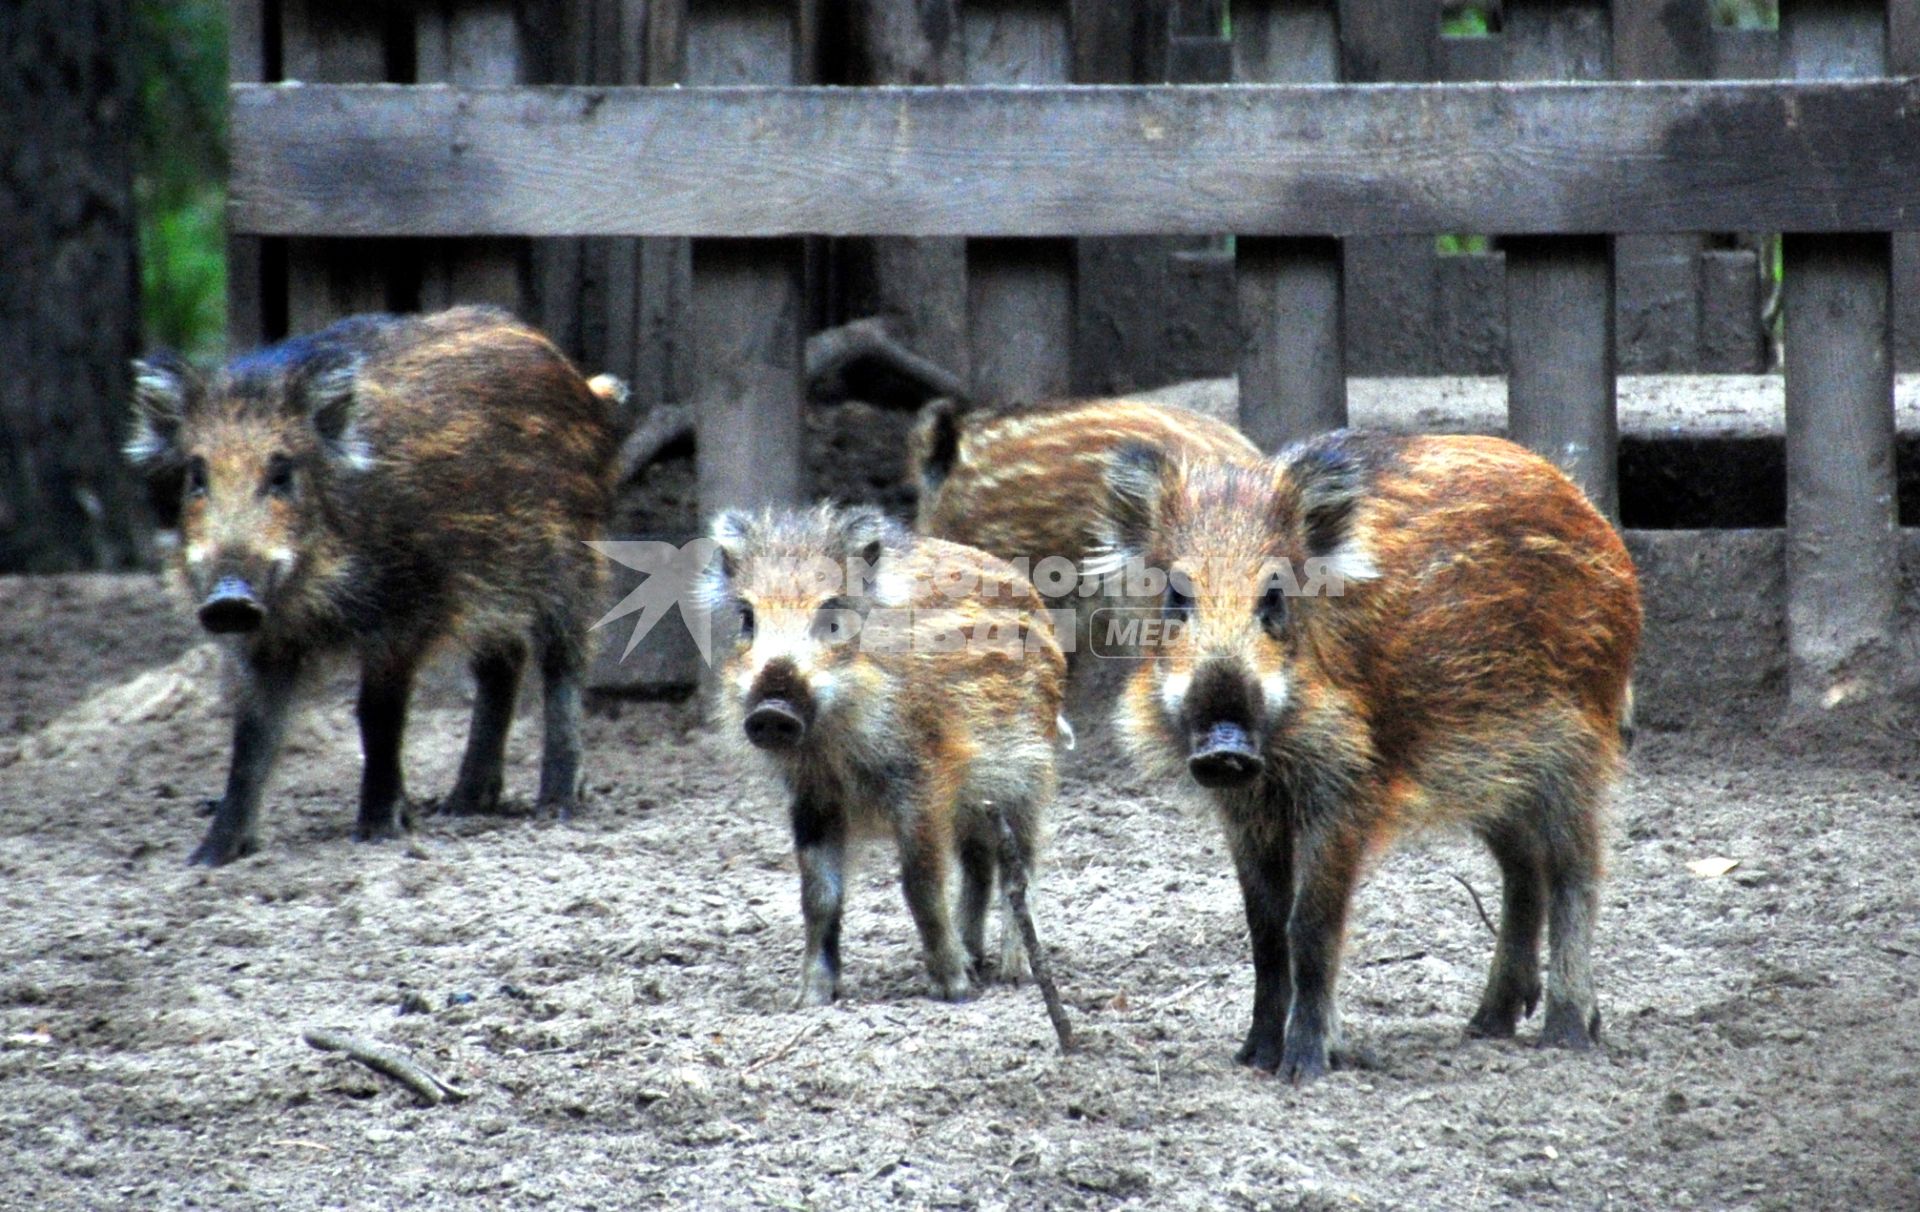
430 1087
783 1049
1013 879
1485 920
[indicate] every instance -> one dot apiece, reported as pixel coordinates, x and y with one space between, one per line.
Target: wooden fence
1037 239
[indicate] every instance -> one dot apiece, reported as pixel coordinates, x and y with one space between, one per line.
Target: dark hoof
1491 1024
462 801
219 851
1303 1067
1565 1028
383 832
558 809
1260 1053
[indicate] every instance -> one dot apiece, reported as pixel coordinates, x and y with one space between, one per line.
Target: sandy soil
613 991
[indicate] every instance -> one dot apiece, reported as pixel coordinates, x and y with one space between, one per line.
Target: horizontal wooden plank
1548 158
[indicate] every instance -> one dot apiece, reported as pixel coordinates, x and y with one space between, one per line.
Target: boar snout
231 607
775 724
1222 708
780 709
1224 757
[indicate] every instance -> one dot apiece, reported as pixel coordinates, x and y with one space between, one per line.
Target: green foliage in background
1469 20
180 172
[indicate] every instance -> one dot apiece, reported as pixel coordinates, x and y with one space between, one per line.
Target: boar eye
746 621
1272 610
1179 601
196 482
836 621
279 481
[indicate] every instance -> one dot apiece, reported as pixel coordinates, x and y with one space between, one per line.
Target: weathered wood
328 278
474 43
1560 290
1843 576
1293 381
1020 293
1290 292
747 372
748 295
246 300
1521 158
1389 284
1903 55
920 286
1020 319
1732 340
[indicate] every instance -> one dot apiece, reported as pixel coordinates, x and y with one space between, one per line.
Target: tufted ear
163 387
934 446
329 390
1136 479
868 534
731 530
1325 482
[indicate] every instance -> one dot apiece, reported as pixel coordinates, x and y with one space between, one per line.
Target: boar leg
820 843
1026 845
1513 984
924 848
385 687
1265 867
1573 897
260 721
560 667
1328 863
977 865
496 682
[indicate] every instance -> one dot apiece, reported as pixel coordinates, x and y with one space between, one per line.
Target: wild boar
1028 484
1460 657
898 686
382 488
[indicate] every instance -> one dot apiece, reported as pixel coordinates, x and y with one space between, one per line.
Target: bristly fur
383 487
906 735
1029 483
1474 672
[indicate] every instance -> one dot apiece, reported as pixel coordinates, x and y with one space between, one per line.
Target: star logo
672 578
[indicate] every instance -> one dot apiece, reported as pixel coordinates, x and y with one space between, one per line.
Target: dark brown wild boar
1028 484
1473 673
901 687
385 487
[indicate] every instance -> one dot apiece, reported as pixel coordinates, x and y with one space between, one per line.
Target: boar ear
934 446
162 386
1324 481
730 532
329 394
866 531
1135 477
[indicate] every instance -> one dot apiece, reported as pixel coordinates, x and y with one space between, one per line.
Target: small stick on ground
783 1049
430 1087
1013 879
1484 919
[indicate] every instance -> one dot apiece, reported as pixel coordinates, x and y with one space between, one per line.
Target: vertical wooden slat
666 268
919 286
246 301
1390 285
748 386
1842 536
1292 307
1662 293
1903 59
1560 290
1020 293
471 42
333 44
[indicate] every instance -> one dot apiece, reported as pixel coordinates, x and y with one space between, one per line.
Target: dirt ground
613 992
